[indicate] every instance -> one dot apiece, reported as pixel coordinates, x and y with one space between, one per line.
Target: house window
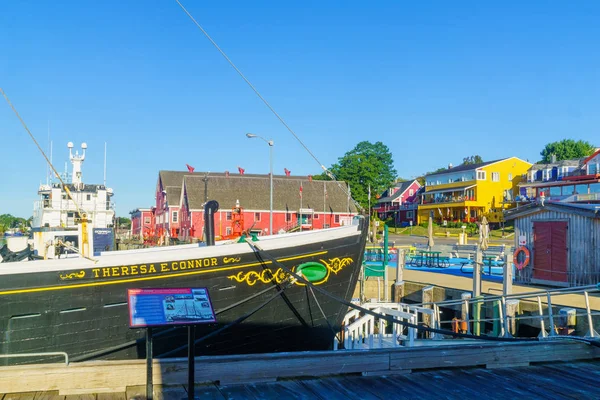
316 216
228 231
288 217
409 214
495 177
146 220
411 192
481 175
336 219
228 216
175 215
510 177
88 197
257 217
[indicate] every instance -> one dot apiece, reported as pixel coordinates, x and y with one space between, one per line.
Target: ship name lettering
144 269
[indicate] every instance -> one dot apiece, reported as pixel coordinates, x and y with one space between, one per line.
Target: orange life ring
525 262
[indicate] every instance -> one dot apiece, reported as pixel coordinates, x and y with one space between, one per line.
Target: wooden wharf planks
446 370
563 380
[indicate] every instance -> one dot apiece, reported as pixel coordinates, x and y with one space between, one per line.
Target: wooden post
507 281
477 272
464 315
385 263
477 315
427 298
550 316
477 291
511 309
399 284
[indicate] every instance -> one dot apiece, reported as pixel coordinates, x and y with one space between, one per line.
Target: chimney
553 158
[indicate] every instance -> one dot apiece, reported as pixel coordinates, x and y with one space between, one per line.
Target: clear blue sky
435 81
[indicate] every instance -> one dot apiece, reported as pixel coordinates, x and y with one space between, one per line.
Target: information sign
159 307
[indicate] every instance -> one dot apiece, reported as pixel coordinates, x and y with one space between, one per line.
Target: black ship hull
78 307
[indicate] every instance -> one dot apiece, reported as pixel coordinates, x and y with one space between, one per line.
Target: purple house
400 203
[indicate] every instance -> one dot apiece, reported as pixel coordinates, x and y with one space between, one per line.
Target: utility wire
327 172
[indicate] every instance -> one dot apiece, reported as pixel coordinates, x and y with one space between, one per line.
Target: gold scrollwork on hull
265 276
227 260
334 265
78 275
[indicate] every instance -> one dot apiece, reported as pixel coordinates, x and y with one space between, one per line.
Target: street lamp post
270 143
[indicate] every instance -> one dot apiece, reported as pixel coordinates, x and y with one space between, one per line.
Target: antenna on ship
50 149
104 164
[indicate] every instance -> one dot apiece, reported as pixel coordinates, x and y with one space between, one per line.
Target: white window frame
336 219
256 217
410 214
510 177
481 176
174 216
147 220
495 176
411 192
228 230
228 217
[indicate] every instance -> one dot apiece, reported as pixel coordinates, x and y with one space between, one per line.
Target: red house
142 222
298 203
399 202
168 199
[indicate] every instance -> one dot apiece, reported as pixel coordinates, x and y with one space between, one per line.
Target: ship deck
572 380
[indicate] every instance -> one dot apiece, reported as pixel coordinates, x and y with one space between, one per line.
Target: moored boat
79 305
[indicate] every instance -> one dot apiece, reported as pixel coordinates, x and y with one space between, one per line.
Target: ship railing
369 332
46 354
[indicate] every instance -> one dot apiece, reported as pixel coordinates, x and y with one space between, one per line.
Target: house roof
401 188
587 159
576 162
173 195
466 167
587 210
253 192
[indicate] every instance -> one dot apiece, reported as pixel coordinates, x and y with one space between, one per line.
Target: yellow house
467 192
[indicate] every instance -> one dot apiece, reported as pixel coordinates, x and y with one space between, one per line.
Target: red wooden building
298 203
399 202
142 222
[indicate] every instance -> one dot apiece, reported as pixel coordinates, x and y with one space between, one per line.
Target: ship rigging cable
327 171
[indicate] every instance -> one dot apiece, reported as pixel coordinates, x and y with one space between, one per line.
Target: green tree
123 223
476 159
566 149
368 164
